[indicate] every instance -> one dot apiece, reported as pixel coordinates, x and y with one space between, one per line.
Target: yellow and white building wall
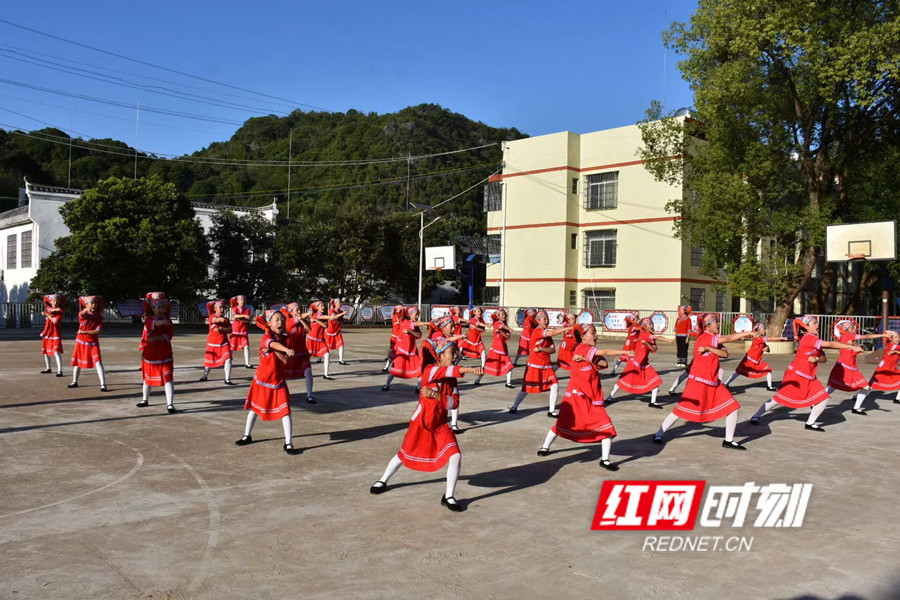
582 223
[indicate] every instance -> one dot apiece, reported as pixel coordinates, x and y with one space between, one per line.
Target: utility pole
290 158
137 131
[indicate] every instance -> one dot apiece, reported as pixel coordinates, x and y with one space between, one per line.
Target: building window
600 248
573 297
493 245
698 298
26 249
491 295
11 251
574 241
720 301
697 256
493 196
574 185
602 191
599 300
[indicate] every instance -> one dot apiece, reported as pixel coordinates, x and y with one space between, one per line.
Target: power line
162 111
125 83
241 162
149 64
34 53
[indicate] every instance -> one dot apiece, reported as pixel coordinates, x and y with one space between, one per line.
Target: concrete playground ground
100 499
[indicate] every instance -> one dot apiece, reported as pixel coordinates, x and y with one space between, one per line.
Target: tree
244 257
792 101
129 237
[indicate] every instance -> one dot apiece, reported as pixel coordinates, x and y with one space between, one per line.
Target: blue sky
542 67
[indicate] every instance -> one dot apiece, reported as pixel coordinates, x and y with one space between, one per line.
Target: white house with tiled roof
28 233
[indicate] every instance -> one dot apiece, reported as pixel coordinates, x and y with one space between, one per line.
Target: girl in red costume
157 363
705 398
269 398
407 363
333 338
582 417
539 374
395 324
800 388
639 377
51 336
298 365
429 443
570 340
753 365
237 339
498 363
87 342
473 347
632 333
218 348
845 375
315 341
525 339
886 377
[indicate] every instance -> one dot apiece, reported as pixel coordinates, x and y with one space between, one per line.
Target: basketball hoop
856 257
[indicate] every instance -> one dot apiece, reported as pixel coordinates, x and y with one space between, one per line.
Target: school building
28 233
581 223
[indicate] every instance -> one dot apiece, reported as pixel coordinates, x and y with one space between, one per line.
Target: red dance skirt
846 378
157 373
86 355
497 364
316 346
271 401
753 370
472 349
51 346
538 378
798 391
581 420
636 380
296 366
702 402
216 355
238 341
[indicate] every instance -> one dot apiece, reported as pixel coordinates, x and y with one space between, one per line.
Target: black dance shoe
608 465
814 427
244 441
171 409
378 489
544 452
858 411
732 445
454 505
142 404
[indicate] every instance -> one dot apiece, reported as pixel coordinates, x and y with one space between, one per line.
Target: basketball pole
422 227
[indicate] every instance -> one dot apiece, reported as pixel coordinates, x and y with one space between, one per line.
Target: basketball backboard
440 257
871 241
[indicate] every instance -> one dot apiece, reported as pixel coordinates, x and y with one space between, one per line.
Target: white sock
554 394
170 393
549 439
101 373
769 380
519 399
387 363
454 416
730 425
247 355
766 407
860 397
228 370
829 390
327 359
145 393
308 375
205 372
393 467
75 372
509 378
516 360
817 411
453 473
251 419
732 378
613 391
616 366
46 362
653 395
341 354
58 362
287 425
667 423
389 380
605 447
418 383
483 358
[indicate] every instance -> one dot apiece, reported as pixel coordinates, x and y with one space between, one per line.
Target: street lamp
424 208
